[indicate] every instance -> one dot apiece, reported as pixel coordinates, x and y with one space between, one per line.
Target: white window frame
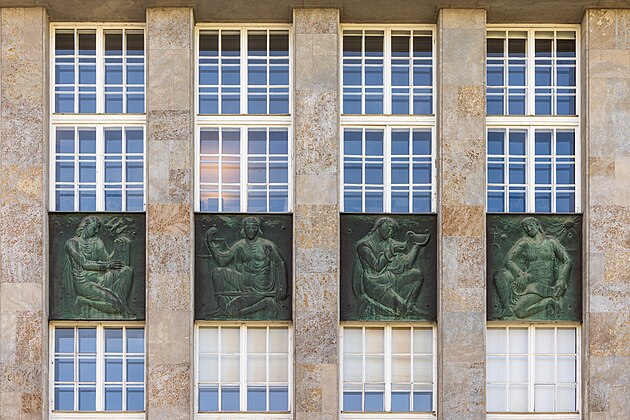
100 372
388 326
243 120
100 120
242 415
530 102
534 415
388 121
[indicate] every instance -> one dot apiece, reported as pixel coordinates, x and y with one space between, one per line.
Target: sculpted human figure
92 274
385 274
535 276
251 275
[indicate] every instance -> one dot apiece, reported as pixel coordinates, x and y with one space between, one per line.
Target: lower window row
248 368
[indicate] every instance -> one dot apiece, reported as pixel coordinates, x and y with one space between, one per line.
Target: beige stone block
463 336
462 18
316 225
170 125
169 219
608 228
322 190
315 291
169 291
463 390
618 268
316 260
168 388
168 254
601 29
462 49
623 29
169 335
463 220
316 62
606 64
609 334
169 28
601 166
471 100
315 390
316 335
19 297
316 21
608 297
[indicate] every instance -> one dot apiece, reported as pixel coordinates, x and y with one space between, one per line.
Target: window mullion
531 169
531 364
387 65
388 368
244 56
387 168
531 73
243 373
100 168
244 136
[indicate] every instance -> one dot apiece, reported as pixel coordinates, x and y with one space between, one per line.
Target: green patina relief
534 267
97 266
243 266
388 267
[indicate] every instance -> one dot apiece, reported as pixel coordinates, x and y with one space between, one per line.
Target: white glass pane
208 340
496 371
208 368
423 369
401 340
543 398
374 340
401 369
496 398
374 369
517 398
566 340
518 340
518 369
566 369
230 340
545 340
278 340
422 341
353 369
352 340
566 398
544 370
256 369
256 340
278 369
230 369
496 339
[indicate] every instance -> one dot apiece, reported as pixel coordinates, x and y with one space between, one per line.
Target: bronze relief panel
388 267
243 266
534 269
97 266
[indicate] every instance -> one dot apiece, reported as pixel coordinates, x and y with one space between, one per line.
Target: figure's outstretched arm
222 258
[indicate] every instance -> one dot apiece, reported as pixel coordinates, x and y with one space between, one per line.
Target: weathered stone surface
317 226
319 325
463 378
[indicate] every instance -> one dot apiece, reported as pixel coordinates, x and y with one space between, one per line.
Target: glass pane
230 399
87 399
352 340
423 369
278 399
566 340
566 399
113 340
64 340
374 369
135 370
64 370
135 340
278 340
135 399
208 399
518 369
496 340
567 369
401 401
374 401
374 340
543 398
518 340
64 398
545 340
422 341
113 369
518 398
353 369
496 371
113 399
64 42
208 368
278 368
230 340
545 369
401 340
352 401
87 370
423 401
256 398
256 340
230 369
401 369
256 369
496 398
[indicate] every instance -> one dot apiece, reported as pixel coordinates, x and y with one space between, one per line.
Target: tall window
533 369
98 118
243 120
243 368
387 120
388 368
533 139
97 368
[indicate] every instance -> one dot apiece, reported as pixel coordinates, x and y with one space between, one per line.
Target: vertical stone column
23 151
316 150
461 213
170 160
606 150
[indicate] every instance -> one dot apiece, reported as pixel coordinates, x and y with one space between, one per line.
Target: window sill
533 416
97 415
387 415
244 416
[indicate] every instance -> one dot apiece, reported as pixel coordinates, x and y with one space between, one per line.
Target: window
387 120
533 369
97 367
243 368
98 121
533 138
388 368
243 120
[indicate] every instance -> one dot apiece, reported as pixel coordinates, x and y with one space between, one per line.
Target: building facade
315 210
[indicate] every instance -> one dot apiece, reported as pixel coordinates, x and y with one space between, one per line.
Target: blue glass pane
517 202
374 401
230 399
113 200
64 141
423 401
64 74
209 141
135 340
543 105
421 142
351 104
400 104
278 201
352 201
87 370
516 105
113 340
421 173
231 202
64 340
543 174
87 103
64 201
257 201
566 76
135 75
422 105
64 172
373 104
135 200
543 142
352 401
422 76
495 173
256 399
135 171
278 142
374 143
495 76
256 104
64 398
400 142
64 103
400 76
400 173
565 105
135 370
421 202
256 172
496 201
232 140
135 141
87 171
87 399
135 104
517 143
373 76
113 370
374 174
87 141
352 142
565 174
352 76
113 399
113 75
543 76
543 202
135 399
230 104
64 370
113 103
374 202
400 202
494 105
565 143
279 104
352 173
230 75
517 174
257 75
209 104
565 202
278 399
208 399
401 401
279 75
516 76
208 76
87 200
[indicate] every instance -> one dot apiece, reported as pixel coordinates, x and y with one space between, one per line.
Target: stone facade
460 139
